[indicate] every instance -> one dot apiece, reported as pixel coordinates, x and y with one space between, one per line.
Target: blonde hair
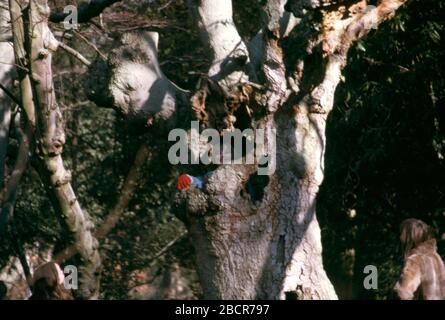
412 233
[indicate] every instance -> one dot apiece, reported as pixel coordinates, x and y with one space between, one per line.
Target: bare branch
75 54
219 33
371 17
10 94
131 181
20 58
132 82
167 246
5 104
88 42
8 192
277 18
7 55
342 33
86 11
273 63
51 138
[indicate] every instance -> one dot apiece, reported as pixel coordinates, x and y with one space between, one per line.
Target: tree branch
130 184
371 18
219 33
8 192
75 53
132 82
86 11
338 36
88 42
18 32
10 94
167 247
273 59
276 18
51 138
342 33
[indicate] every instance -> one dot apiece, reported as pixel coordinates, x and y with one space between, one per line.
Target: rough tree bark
284 80
33 47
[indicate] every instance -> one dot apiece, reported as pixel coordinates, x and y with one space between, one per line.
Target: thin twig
10 94
75 54
15 65
165 6
79 35
168 246
381 63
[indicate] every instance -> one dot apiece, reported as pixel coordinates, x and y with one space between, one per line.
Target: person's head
47 283
412 233
3 290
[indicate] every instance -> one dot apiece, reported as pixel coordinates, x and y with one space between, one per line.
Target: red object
184 182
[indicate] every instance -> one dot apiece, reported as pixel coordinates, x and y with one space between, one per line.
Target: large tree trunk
283 81
271 249
265 255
